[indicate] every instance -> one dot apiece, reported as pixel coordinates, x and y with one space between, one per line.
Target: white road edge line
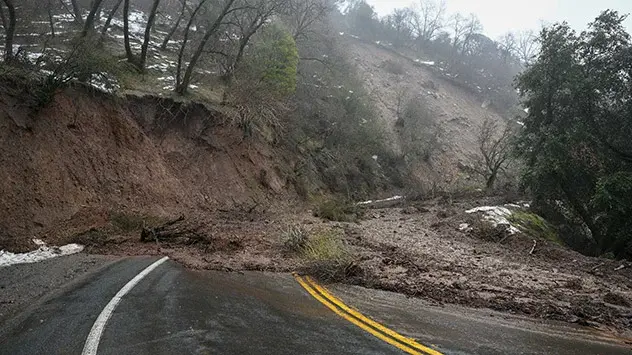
92 342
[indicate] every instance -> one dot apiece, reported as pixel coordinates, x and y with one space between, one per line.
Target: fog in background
500 16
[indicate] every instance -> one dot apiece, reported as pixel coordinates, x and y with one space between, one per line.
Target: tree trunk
51 19
128 48
145 46
491 180
77 12
3 18
173 30
10 32
89 24
184 43
106 26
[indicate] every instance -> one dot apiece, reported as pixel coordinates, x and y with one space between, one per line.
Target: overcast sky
500 16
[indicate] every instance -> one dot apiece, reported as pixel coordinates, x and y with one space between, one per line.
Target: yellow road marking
408 341
405 344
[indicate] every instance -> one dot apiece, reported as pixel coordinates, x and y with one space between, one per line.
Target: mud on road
418 251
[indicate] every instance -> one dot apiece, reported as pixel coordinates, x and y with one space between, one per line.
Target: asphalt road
177 311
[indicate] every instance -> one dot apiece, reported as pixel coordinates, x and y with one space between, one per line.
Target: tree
428 19
399 24
575 142
76 12
211 30
246 23
89 24
185 41
508 45
495 149
175 26
9 31
108 20
526 46
303 15
140 61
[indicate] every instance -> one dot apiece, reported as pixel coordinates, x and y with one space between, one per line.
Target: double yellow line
401 342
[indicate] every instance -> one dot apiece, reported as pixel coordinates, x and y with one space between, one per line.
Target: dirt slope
83 157
456 110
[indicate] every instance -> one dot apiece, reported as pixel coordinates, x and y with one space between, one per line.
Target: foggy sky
500 16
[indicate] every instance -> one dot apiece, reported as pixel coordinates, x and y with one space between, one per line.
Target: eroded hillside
392 78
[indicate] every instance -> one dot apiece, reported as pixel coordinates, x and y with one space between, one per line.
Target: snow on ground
394 198
497 215
42 253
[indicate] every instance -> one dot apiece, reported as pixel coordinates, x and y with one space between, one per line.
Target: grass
338 211
535 226
295 239
326 245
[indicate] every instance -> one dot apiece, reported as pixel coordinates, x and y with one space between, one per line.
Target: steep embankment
87 155
456 111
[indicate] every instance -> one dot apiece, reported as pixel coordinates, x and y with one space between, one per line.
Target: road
173 310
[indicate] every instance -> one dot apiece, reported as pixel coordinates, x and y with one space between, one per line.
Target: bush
534 226
418 132
295 239
339 211
328 257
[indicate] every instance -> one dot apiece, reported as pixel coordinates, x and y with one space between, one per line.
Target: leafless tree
495 149
108 20
140 61
147 37
9 31
175 26
211 30
185 40
303 15
526 47
428 19
76 11
507 44
89 24
463 30
399 22
51 19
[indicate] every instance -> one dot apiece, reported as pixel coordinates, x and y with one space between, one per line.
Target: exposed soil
418 251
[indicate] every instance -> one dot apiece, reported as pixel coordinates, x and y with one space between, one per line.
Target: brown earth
457 111
81 158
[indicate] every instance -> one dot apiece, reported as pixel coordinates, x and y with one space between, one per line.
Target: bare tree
495 150
10 31
51 19
399 22
89 24
211 30
175 26
128 48
185 40
3 17
76 11
507 45
427 19
526 47
472 27
108 20
144 47
303 15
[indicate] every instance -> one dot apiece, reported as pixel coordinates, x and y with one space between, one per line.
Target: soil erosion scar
92 342
403 343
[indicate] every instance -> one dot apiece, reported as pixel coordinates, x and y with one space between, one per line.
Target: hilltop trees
576 140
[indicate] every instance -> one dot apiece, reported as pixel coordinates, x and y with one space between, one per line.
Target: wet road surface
177 311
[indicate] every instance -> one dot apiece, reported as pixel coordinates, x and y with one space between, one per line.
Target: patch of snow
43 252
497 215
394 198
520 123
464 227
424 62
